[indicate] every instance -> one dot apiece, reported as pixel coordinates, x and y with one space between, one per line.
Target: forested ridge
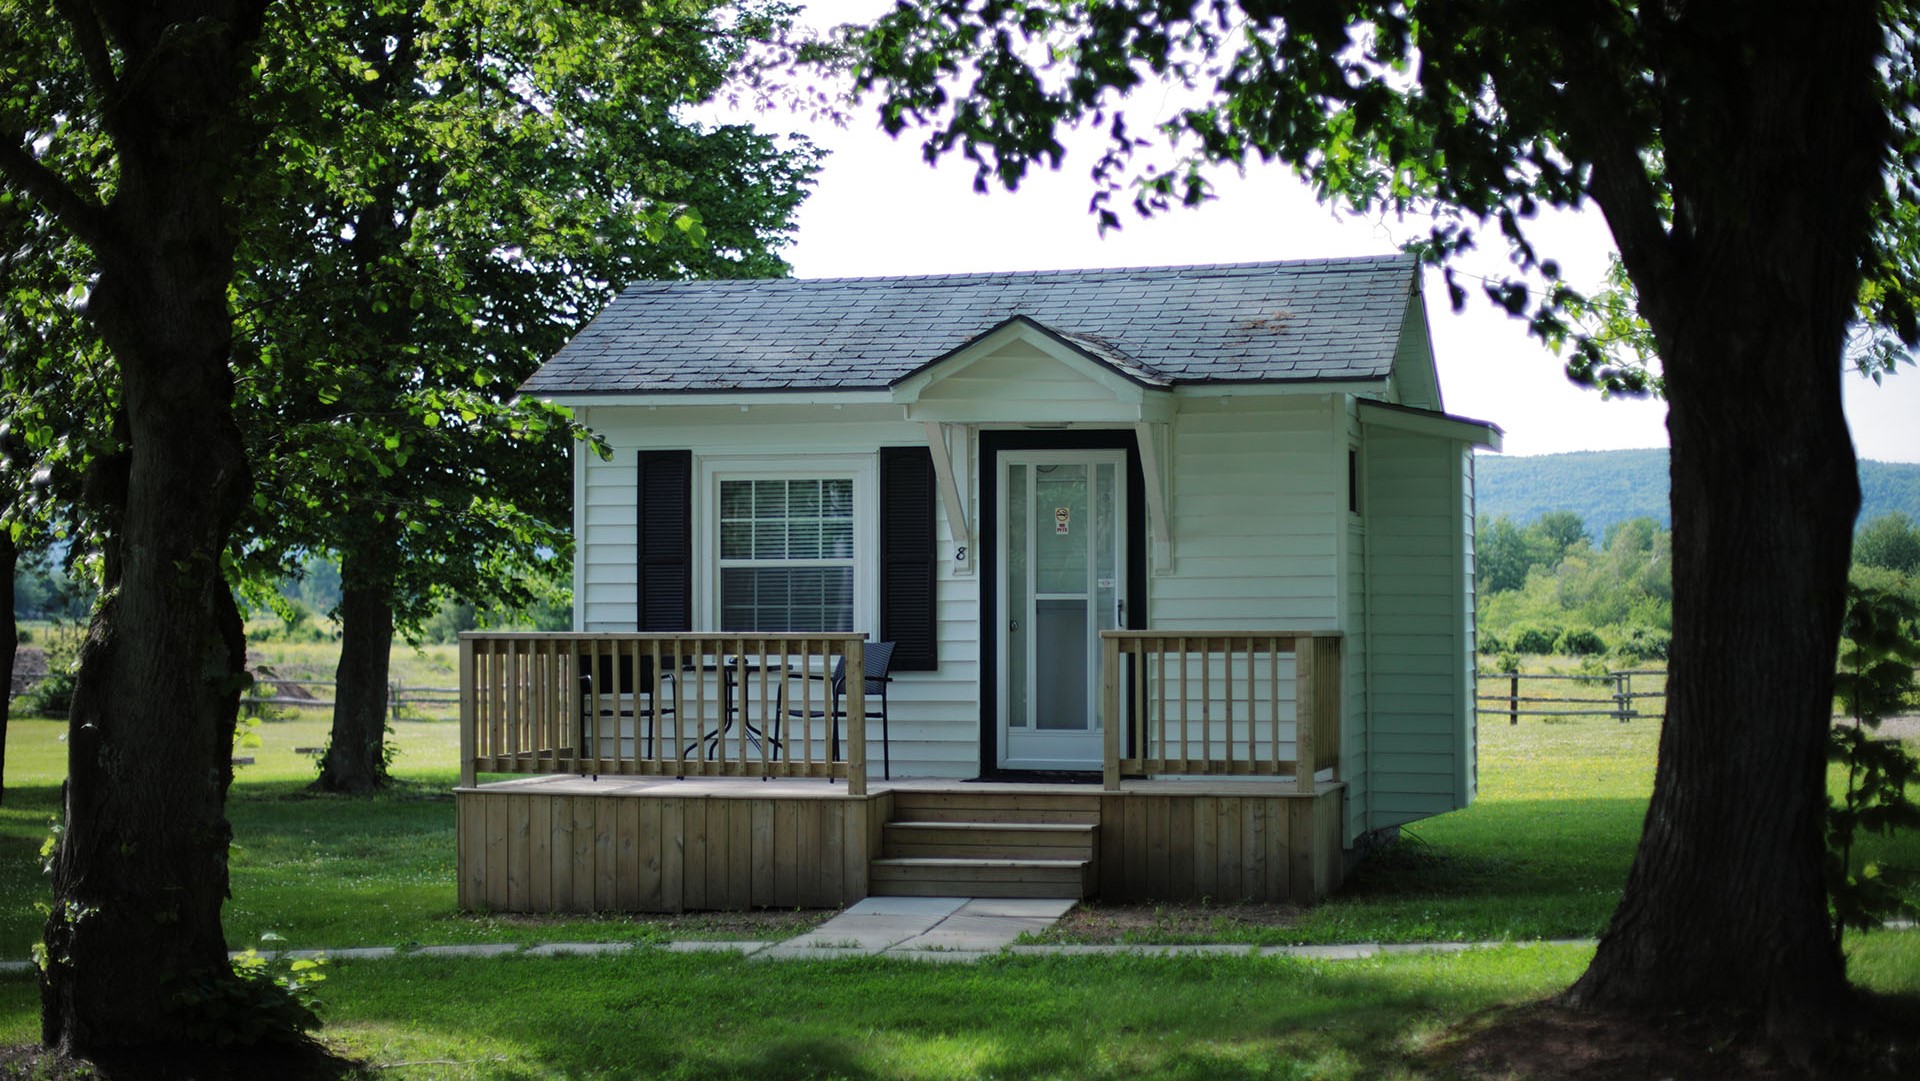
1604 487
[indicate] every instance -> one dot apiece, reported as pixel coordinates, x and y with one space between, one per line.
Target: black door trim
992 442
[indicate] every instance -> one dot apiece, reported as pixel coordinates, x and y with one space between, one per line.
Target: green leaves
1879 652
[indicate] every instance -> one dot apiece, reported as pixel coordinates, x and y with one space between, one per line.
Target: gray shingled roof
1252 322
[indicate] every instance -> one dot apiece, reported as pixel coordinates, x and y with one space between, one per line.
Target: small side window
1353 479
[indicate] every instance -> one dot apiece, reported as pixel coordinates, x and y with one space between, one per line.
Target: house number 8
960 554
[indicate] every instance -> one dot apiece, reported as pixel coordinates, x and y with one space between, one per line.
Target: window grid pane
803 523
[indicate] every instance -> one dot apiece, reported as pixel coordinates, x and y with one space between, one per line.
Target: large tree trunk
356 759
1773 149
9 645
141 870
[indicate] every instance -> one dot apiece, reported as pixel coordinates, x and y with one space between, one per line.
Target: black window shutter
666 540
907 579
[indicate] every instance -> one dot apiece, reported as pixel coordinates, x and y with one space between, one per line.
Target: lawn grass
1541 854
320 871
671 1016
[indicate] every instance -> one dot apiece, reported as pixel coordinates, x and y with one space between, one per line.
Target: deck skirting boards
564 845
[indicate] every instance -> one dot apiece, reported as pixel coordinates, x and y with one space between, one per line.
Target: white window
786 554
785 544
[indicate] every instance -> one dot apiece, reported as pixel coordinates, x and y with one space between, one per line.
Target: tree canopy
459 189
326 223
1755 164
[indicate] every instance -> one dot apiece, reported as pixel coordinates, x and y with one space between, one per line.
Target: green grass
671 1016
318 870
1541 854
678 1016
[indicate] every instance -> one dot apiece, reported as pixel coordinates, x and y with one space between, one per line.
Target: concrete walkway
924 929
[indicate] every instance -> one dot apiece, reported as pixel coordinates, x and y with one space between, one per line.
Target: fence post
469 713
1513 698
1622 695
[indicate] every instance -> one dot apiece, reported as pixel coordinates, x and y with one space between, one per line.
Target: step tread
964 861
1034 827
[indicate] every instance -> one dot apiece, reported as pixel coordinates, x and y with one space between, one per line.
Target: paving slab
936 907
1355 952
694 945
350 953
941 957
1040 908
487 949
563 949
788 951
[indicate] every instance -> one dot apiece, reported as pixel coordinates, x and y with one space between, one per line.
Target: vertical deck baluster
766 717
1206 702
498 722
1273 700
1137 707
1186 718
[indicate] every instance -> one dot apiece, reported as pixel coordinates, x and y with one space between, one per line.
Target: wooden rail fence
1619 702
1221 703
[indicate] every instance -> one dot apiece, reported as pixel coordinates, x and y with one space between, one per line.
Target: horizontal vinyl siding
1252 490
1355 748
1415 600
934 721
1017 373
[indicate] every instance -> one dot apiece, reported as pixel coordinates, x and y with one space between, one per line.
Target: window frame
711 470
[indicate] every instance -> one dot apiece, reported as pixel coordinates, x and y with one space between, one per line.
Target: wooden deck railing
1221 702
661 704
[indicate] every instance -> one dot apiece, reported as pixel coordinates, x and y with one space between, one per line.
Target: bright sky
878 209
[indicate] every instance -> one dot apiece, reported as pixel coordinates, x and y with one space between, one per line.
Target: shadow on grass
672 1016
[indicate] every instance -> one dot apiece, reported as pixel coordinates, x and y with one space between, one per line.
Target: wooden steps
988 844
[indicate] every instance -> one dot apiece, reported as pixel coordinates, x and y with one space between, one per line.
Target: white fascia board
727 399
1271 389
1478 433
1159 409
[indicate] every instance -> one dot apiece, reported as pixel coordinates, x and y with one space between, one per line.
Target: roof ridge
989 276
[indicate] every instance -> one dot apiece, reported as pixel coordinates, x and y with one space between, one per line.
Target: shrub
1491 643
1531 639
53 695
1644 644
1580 642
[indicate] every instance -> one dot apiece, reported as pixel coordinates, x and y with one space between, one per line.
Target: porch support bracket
1150 437
958 527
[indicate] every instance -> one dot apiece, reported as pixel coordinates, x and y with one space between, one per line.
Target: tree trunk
10 640
141 869
356 759
1773 149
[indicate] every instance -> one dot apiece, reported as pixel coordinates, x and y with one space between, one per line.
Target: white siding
1355 737
1252 491
935 716
1419 625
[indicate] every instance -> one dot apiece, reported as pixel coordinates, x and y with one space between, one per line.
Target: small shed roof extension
1309 321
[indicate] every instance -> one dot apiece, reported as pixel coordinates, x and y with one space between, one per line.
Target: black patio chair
879 658
624 684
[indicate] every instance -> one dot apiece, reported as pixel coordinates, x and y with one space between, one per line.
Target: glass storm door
1061 582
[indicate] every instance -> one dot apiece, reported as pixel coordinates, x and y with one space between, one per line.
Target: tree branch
92 45
83 217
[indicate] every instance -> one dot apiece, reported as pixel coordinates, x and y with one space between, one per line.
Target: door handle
1013 624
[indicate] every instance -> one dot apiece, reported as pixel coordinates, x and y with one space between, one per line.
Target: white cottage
1100 515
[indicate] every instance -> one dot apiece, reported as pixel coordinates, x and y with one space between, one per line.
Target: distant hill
1607 486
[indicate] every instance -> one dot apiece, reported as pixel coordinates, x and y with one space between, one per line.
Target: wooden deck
646 844
676 772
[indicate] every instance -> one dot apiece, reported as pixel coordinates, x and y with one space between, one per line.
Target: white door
1062 580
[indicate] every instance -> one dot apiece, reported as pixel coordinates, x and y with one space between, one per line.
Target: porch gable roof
1309 321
